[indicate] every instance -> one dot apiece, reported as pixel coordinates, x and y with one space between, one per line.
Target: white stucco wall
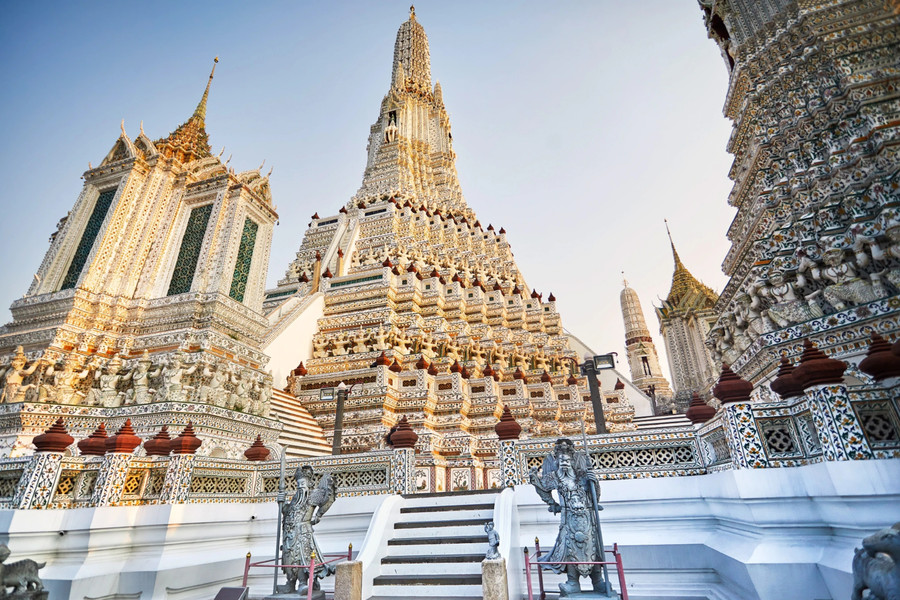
293 341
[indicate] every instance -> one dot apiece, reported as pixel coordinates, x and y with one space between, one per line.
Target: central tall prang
406 296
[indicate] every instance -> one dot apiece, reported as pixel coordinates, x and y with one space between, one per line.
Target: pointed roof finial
201 107
122 125
674 252
683 282
624 281
412 11
142 127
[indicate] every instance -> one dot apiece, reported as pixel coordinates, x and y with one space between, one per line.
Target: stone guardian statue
569 473
298 545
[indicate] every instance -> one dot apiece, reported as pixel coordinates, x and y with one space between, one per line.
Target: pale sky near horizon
578 126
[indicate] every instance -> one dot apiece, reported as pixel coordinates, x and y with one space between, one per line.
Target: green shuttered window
183 276
244 258
91 231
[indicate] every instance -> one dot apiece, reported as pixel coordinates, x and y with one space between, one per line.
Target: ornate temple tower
685 318
406 295
151 291
812 94
641 352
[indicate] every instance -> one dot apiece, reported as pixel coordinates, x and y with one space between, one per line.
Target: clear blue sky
578 126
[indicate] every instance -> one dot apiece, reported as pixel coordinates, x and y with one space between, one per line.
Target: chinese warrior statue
298 545
570 474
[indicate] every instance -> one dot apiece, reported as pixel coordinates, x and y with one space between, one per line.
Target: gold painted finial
412 11
201 107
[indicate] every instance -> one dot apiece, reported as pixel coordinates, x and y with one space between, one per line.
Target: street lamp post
589 368
343 392
599 419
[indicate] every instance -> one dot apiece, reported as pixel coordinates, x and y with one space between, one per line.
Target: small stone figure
66 381
22 576
493 541
298 544
876 566
172 388
140 392
390 132
846 286
13 390
107 394
569 473
788 305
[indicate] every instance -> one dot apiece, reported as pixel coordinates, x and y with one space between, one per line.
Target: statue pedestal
591 595
348 581
493 579
316 595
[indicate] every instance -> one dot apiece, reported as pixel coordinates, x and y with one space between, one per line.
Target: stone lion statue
21 575
876 566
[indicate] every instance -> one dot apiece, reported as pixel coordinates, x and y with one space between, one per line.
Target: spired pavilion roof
684 284
190 142
686 293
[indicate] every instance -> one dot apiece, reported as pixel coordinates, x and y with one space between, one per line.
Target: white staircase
301 436
436 547
662 421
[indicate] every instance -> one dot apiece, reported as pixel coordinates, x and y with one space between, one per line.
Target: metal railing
311 567
531 563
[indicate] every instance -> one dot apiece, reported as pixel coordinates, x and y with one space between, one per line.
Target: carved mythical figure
428 346
13 390
569 473
493 541
320 347
500 357
217 394
846 286
265 395
381 338
107 394
21 575
140 392
66 378
298 543
172 388
240 398
893 234
390 132
787 306
360 343
876 566
339 345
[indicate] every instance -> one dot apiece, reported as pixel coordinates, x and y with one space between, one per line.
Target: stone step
432 569
452 531
427 597
435 580
443 540
427 592
442 558
460 494
436 546
447 507
449 523
418 596
301 435
482 514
